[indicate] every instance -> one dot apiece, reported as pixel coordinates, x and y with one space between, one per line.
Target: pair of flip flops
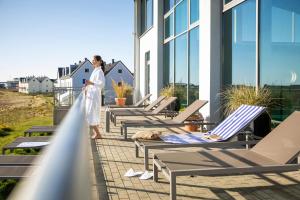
142 175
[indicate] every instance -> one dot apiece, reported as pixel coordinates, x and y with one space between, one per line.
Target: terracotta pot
120 101
191 127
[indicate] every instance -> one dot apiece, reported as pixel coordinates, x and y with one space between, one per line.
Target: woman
93 96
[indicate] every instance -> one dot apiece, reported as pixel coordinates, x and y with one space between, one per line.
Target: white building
32 85
75 75
204 46
118 72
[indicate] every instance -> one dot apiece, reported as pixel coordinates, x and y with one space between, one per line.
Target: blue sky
38 36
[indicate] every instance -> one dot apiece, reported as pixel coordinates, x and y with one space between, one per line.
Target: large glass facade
181 49
168 4
194 65
168 63
239 46
194 8
279 50
280 54
146 15
181 17
181 70
169 26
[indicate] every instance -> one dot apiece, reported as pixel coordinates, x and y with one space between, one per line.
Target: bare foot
96 137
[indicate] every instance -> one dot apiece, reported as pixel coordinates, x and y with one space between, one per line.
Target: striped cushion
232 125
237 121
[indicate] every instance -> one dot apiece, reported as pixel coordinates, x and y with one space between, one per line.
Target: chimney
79 61
85 59
113 61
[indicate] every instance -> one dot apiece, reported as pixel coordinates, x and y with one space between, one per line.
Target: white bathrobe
93 97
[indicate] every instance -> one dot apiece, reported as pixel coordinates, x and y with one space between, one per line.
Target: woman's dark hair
102 64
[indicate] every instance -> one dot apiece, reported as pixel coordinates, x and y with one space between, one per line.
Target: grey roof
77 68
110 66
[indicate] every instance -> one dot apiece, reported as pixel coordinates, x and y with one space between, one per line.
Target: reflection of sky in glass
280 47
242 60
149 13
181 59
181 17
194 10
194 56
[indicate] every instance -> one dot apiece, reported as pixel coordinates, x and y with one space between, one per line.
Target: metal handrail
64 169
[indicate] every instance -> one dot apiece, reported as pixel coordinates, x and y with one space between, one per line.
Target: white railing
63 172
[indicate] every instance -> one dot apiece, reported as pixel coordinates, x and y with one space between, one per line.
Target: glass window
149 7
227 1
169 26
181 17
146 15
168 5
181 68
120 71
239 66
194 65
169 63
279 54
194 11
86 70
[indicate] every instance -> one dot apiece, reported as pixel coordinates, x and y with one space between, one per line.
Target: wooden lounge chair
110 113
18 160
159 110
40 129
226 131
277 152
16 172
138 104
29 143
179 120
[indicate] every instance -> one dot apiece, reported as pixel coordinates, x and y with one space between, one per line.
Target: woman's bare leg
97 134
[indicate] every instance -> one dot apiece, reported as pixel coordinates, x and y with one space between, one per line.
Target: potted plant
122 90
171 91
235 96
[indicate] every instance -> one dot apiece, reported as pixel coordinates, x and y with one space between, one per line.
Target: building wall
209 53
80 74
152 41
126 76
46 86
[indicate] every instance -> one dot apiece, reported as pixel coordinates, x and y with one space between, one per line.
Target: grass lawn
19 112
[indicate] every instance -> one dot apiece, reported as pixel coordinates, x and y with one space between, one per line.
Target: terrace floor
113 156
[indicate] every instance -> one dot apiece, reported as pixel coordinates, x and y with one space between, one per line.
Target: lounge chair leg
172 186
136 150
121 130
107 121
155 173
146 157
125 132
115 121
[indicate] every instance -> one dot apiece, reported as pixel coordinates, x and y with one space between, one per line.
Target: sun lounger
40 129
109 113
179 120
27 143
225 131
159 110
16 172
138 104
18 160
277 152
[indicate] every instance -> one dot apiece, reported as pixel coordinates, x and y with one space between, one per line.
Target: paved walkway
116 156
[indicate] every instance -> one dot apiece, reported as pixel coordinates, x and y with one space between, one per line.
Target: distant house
75 75
32 85
118 72
13 84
